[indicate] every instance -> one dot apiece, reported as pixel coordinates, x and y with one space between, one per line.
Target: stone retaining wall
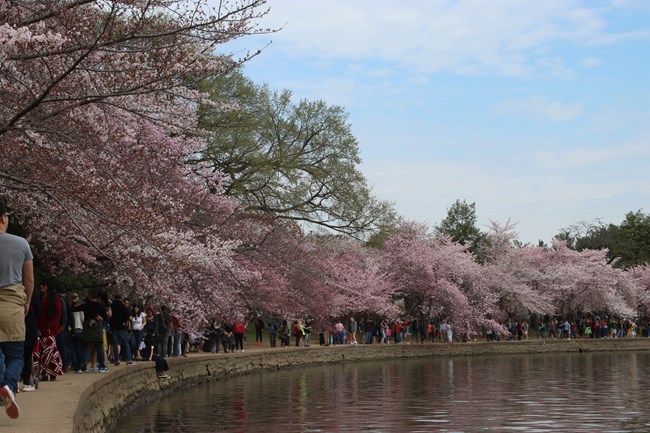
116 394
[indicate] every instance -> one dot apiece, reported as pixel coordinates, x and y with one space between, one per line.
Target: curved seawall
111 397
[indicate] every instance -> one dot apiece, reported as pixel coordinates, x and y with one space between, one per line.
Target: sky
536 111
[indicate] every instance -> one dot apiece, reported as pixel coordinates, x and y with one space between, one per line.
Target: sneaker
91 370
29 388
103 369
163 376
10 402
130 363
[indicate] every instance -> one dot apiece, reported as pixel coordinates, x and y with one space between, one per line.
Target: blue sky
537 111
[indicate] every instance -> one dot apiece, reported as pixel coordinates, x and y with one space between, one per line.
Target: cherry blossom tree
513 275
641 274
296 274
97 124
558 280
436 277
100 152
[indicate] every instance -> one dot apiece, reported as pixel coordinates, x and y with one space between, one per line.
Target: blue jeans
77 350
62 343
13 363
121 337
136 339
101 358
178 337
162 342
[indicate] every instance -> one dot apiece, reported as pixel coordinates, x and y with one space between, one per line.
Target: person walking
298 331
138 324
77 349
308 328
239 330
352 328
16 287
163 331
31 342
120 321
95 313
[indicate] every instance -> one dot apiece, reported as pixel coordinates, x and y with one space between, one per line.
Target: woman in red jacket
239 330
49 326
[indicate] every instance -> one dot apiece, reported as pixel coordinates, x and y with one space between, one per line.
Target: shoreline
94 402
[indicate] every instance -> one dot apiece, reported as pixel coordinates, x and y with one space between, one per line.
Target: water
589 392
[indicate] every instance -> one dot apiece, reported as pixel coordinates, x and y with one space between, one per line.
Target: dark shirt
163 324
31 321
92 309
120 316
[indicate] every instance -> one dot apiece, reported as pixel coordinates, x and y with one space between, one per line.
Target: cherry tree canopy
558 280
314 275
100 154
641 275
96 125
438 278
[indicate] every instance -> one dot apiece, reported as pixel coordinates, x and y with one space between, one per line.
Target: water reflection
538 393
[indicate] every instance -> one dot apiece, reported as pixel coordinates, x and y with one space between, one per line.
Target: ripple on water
532 394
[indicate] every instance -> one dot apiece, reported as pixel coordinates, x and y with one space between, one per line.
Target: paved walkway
51 408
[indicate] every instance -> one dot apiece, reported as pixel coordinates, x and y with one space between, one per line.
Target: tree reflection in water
588 392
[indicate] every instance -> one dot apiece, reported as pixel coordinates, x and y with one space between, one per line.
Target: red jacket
238 328
51 327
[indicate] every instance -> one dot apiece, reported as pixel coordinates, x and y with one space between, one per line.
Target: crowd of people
47 332
66 333
230 336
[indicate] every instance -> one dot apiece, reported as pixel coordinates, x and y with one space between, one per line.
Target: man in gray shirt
16 287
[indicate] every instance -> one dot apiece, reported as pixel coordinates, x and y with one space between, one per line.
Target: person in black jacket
162 331
119 321
31 338
95 313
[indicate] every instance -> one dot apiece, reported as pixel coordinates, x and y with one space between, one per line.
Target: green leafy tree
378 238
628 244
633 247
460 226
295 161
593 235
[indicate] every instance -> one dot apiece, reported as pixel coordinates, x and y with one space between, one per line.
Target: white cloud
591 62
467 37
428 140
577 158
541 202
540 108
